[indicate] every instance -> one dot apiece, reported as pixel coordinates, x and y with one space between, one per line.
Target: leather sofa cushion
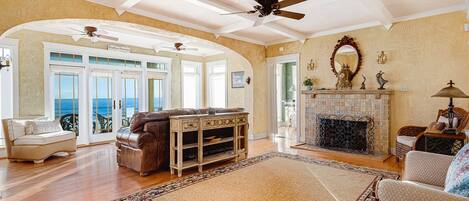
141 118
45 138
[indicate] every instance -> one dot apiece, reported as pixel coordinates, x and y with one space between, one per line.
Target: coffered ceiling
322 16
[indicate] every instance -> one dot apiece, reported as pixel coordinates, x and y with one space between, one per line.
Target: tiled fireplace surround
357 103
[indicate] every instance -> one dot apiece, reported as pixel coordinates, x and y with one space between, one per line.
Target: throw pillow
457 178
17 129
42 126
445 120
436 126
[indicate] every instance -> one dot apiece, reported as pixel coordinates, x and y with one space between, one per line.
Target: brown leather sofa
144 145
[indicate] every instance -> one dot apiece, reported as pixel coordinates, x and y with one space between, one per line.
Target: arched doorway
58 72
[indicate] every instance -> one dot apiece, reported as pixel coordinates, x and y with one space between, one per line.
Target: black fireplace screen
351 134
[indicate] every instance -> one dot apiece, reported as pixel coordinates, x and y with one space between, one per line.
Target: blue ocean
104 106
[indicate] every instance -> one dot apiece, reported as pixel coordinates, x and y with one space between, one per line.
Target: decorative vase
309 87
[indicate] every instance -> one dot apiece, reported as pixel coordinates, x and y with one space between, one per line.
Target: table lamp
450 92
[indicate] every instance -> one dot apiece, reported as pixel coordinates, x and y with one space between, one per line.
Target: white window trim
199 88
86 69
12 44
209 65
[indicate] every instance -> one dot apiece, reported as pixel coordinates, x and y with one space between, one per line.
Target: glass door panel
155 95
129 105
102 104
66 100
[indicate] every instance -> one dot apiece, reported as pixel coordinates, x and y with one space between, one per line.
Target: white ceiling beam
124 6
286 31
252 18
379 11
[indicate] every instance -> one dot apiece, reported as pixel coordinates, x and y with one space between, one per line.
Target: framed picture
237 79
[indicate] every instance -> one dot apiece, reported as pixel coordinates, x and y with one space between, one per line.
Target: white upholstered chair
37 145
423 180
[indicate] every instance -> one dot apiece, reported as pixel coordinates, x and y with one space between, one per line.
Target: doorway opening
284 99
286 80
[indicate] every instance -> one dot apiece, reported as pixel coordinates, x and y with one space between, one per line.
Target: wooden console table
186 124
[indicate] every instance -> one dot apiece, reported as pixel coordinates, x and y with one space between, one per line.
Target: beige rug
272 177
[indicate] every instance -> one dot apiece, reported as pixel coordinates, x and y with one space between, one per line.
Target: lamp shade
451 92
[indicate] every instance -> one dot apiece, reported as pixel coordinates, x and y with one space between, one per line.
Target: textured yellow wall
16 12
423 55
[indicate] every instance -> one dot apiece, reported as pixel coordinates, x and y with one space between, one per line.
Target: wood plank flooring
92 173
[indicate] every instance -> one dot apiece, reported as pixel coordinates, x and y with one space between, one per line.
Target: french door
113 101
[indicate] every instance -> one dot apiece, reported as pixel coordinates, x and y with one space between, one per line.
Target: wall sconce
311 65
382 58
248 80
4 62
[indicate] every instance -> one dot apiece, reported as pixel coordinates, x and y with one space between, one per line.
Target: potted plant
308 83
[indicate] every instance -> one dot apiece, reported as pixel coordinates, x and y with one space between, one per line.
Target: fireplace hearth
345 133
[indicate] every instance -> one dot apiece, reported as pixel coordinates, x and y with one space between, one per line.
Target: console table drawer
242 119
218 123
190 125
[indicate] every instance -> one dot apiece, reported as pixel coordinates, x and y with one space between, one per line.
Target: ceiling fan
267 7
93 34
180 47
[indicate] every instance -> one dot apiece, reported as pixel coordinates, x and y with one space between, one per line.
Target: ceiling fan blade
286 3
288 14
259 21
107 37
233 13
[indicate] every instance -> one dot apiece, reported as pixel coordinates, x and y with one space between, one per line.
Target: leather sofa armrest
135 140
392 190
425 167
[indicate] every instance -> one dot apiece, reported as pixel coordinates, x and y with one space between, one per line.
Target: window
129 99
157 66
115 62
191 84
216 84
6 92
101 95
156 99
66 100
54 56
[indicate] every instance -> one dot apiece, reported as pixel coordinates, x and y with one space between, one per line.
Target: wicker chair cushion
457 178
445 120
406 140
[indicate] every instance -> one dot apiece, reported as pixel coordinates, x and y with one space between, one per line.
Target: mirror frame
342 42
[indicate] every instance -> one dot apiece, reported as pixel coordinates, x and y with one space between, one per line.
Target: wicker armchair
410 137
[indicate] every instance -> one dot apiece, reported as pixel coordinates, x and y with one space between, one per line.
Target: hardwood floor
92 173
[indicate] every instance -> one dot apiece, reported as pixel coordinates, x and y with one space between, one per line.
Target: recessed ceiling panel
196 13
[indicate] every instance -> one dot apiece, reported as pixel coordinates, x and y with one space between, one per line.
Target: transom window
54 56
115 62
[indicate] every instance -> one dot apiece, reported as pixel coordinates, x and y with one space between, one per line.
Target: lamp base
450 131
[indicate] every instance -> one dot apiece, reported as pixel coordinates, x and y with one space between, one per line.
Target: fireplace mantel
377 93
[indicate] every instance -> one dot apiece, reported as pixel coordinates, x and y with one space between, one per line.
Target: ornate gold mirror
346 55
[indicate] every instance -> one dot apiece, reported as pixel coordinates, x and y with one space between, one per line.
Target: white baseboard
257 136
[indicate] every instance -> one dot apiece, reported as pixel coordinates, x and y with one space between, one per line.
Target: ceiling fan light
94 39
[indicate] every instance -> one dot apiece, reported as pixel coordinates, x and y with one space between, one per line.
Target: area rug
272 177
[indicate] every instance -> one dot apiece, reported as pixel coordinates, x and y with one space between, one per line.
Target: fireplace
342 108
345 133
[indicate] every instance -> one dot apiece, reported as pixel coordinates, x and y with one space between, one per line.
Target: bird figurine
381 80
363 87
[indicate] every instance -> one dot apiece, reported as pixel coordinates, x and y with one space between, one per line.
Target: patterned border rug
160 191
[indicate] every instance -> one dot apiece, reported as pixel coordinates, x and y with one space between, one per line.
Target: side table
448 144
